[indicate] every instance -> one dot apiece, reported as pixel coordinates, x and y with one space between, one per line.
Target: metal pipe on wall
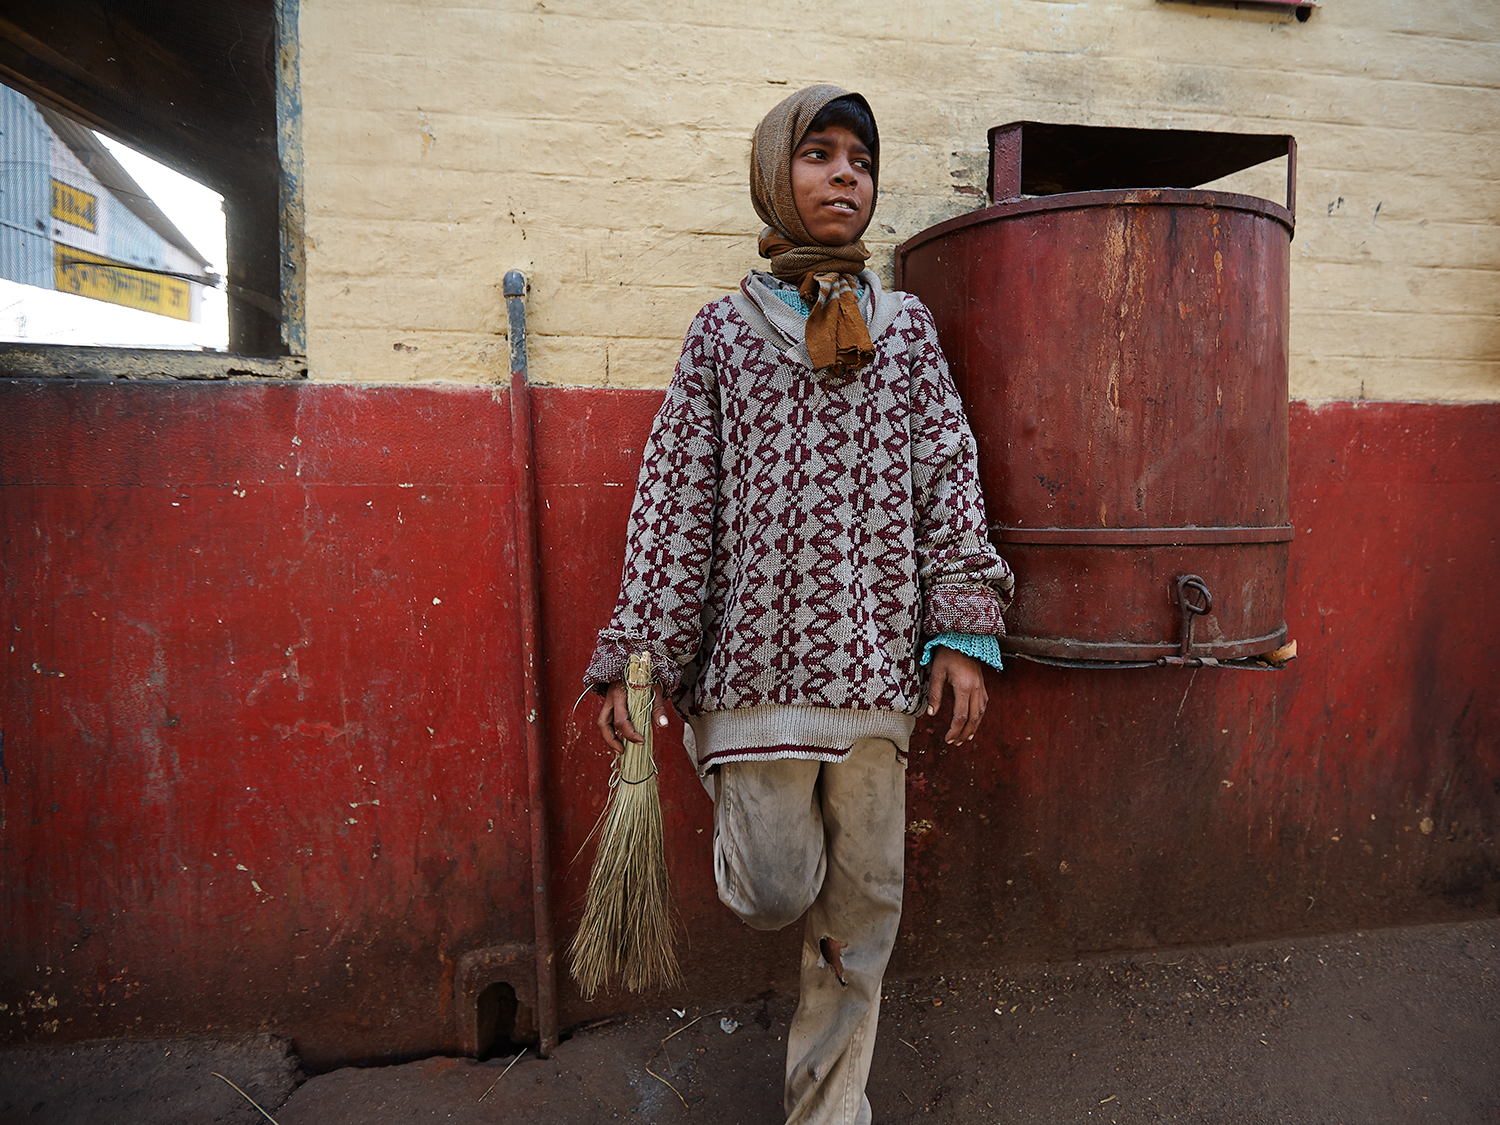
529 580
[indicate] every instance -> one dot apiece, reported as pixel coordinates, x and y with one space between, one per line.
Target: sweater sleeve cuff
963 608
611 659
982 647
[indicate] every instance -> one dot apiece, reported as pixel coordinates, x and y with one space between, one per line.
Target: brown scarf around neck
837 336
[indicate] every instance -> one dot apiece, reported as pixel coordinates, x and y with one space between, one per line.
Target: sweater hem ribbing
817 733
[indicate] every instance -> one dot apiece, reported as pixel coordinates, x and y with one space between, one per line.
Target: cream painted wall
602 147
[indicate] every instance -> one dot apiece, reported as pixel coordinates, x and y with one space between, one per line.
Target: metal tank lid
1038 158
1040 166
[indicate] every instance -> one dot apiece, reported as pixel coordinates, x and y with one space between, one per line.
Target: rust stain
429 138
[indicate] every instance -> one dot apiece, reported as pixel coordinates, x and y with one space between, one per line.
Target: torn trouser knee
829 839
832 1038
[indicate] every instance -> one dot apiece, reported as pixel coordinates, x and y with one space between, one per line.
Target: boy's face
832 185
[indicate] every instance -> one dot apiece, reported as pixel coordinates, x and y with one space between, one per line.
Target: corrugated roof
112 177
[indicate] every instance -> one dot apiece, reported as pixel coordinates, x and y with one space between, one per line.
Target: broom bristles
629 925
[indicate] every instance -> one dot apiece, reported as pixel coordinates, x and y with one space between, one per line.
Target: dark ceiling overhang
189 82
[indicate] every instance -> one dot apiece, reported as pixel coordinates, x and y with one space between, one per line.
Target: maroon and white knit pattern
796 534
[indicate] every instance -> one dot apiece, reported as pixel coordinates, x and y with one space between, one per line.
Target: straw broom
629 919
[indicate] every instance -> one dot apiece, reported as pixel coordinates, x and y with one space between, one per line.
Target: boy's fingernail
661 720
931 710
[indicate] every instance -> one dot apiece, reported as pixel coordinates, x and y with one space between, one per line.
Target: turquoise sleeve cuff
985 649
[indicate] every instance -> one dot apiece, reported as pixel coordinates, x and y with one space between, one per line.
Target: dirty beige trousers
829 839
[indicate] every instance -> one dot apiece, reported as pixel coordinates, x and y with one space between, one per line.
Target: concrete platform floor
1382 1027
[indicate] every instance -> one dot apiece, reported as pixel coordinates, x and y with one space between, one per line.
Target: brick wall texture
602 147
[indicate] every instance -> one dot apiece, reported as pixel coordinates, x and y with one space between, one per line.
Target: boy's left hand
966 677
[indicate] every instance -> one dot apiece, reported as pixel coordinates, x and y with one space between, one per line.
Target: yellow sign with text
89 275
73 205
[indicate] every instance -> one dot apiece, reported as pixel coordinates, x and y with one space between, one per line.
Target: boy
808 515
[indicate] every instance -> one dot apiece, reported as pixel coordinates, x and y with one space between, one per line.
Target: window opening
100 244
212 91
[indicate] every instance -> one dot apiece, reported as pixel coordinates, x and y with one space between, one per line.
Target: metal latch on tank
1189 585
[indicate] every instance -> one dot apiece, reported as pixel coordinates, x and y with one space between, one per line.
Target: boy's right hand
614 717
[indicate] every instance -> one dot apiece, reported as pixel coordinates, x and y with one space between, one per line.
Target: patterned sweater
795 535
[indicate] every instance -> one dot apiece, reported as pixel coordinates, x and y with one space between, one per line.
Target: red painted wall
262 764
240 615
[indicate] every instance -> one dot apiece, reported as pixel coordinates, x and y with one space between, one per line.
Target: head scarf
837 335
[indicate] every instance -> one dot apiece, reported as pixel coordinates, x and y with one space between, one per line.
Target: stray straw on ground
246 1096
503 1073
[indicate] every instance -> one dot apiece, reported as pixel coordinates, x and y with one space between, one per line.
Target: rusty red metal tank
1122 353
